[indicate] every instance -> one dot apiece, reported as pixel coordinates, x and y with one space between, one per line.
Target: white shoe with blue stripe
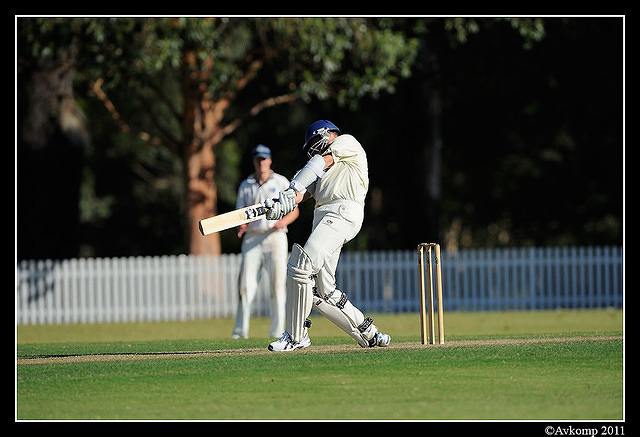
380 339
284 344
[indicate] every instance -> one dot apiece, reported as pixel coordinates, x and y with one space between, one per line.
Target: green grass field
552 365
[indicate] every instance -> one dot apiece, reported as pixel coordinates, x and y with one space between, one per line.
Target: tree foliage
160 113
177 83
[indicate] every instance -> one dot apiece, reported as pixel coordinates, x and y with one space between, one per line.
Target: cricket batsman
336 175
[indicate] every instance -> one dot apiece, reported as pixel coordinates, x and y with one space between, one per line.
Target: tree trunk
433 185
202 125
51 141
201 199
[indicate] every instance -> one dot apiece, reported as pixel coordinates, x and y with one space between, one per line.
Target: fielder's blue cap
260 151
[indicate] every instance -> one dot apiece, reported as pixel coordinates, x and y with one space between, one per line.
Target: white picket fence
100 290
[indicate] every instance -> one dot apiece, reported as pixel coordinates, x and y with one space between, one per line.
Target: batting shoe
380 339
284 344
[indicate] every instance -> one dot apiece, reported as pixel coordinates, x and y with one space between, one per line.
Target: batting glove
288 200
274 209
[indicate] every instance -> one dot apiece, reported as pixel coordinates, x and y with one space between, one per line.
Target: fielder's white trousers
263 255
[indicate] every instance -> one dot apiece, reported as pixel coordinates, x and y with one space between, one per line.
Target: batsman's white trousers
263 255
334 225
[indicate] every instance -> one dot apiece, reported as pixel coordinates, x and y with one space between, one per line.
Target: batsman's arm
310 173
287 219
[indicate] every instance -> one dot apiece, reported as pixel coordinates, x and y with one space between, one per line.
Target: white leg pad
300 281
338 309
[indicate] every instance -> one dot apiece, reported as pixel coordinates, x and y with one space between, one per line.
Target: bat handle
266 203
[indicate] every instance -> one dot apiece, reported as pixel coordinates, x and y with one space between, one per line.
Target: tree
184 84
52 133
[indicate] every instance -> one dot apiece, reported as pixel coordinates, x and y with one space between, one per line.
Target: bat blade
231 219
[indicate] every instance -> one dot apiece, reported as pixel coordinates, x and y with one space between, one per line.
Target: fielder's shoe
286 345
380 339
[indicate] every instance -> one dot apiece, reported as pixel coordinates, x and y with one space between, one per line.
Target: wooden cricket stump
427 310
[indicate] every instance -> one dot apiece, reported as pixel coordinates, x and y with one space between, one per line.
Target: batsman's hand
274 209
288 200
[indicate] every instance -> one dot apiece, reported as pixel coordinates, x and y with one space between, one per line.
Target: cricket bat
232 219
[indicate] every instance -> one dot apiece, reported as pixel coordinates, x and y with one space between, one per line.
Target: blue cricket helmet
316 137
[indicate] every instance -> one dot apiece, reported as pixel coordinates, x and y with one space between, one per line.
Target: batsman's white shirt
348 177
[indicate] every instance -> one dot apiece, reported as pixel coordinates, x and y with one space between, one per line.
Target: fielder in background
336 175
264 245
